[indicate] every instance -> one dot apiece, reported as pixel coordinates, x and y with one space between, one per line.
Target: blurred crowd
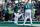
7 12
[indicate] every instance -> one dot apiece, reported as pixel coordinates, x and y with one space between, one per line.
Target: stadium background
6 24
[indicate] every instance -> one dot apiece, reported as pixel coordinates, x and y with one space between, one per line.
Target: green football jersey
27 6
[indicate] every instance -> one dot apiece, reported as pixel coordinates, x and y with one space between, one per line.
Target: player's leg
30 17
15 18
25 20
26 16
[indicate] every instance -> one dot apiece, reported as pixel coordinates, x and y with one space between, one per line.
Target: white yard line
30 24
21 21
22 24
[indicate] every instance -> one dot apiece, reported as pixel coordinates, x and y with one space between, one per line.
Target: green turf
11 24
34 22
17 26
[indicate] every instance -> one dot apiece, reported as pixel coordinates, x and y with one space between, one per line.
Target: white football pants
28 15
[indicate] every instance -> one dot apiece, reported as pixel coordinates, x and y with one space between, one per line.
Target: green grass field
20 24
